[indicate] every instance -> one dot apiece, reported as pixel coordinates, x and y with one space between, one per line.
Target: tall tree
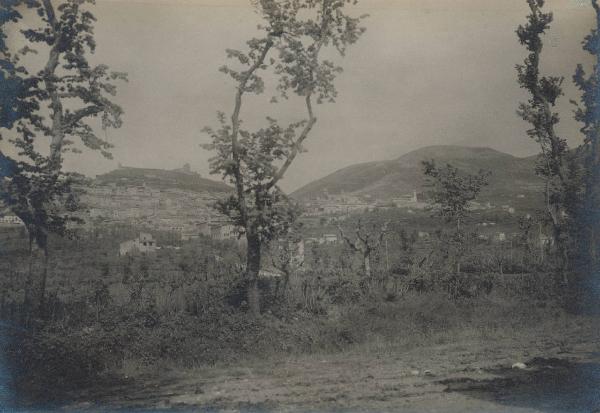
553 162
589 115
51 110
294 35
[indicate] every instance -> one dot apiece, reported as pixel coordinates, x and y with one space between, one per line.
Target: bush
53 361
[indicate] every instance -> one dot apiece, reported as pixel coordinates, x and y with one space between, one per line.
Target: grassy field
170 331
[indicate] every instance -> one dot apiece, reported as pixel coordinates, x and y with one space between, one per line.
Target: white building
143 244
500 236
11 220
223 231
405 200
330 238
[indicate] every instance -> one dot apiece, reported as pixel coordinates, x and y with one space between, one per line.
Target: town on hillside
189 213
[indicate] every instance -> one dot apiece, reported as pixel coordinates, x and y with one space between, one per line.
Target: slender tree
588 113
553 162
294 35
51 109
451 191
366 242
287 255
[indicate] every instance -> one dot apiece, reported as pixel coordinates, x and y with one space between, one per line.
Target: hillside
162 179
511 176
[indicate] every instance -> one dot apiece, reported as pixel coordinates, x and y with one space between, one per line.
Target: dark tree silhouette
553 162
588 113
49 112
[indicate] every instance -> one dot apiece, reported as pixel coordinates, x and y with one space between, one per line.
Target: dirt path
561 375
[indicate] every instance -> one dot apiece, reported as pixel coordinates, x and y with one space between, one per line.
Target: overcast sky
426 72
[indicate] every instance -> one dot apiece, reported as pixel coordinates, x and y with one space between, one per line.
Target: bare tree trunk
42 300
367 264
283 285
27 299
252 272
593 259
564 268
592 203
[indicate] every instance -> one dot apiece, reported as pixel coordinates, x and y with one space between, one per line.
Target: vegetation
451 191
554 163
296 33
367 241
73 92
187 307
589 115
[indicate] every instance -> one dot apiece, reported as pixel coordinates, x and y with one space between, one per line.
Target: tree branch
235 127
48 74
311 117
82 113
382 233
297 144
359 228
352 245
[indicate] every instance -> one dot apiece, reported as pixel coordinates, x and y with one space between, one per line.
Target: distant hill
162 179
511 176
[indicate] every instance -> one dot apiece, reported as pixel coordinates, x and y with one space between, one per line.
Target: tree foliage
294 34
556 165
49 110
451 191
588 113
553 161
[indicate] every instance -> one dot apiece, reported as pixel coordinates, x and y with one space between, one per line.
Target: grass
384 328
379 372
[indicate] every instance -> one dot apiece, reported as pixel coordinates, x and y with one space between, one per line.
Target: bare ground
470 373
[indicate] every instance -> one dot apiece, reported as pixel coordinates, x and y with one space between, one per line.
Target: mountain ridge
511 175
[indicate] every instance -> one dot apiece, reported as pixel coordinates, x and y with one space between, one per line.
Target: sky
426 72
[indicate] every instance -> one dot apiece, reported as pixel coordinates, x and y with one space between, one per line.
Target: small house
223 231
11 220
330 238
500 237
143 244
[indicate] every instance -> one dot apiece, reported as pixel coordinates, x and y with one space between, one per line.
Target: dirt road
560 375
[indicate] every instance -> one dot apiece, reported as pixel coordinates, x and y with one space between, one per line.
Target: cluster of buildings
186 212
323 239
218 230
167 208
346 204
